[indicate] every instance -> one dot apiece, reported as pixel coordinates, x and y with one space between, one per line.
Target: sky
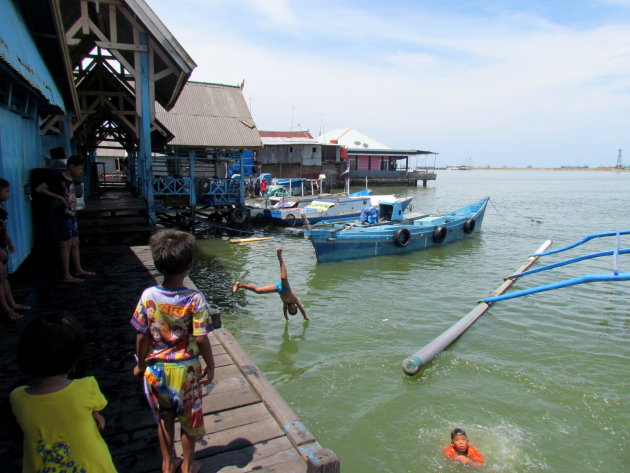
488 83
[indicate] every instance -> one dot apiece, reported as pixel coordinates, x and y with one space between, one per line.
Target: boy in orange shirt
459 451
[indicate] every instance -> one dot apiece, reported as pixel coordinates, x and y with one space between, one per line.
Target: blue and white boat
326 209
396 232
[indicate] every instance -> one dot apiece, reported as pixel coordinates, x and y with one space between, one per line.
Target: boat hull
379 240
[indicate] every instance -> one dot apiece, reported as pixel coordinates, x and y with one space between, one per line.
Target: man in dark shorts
62 205
290 302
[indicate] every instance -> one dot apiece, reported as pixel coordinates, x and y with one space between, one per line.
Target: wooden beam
113 24
120 46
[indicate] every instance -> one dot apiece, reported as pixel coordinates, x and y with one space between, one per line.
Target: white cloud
480 88
279 12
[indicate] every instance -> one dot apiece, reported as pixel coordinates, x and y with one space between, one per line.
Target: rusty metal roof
210 116
19 51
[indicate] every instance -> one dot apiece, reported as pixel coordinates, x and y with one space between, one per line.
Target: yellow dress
60 434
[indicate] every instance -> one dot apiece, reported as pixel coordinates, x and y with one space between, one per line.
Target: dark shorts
66 229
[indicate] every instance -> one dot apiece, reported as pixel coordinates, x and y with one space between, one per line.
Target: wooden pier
249 427
114 216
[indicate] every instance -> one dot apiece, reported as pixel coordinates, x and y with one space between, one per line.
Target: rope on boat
508 220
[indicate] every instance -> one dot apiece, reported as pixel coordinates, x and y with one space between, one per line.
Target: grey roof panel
210 116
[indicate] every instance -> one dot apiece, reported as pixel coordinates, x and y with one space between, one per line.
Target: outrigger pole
415 362
598 277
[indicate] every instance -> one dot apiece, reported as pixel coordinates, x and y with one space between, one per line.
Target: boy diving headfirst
290 302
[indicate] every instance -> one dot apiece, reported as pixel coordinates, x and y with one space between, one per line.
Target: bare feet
235 287
21 307
177 464
194 468
71 279
86 274
14 315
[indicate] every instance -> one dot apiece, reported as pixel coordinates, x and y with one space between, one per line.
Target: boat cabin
393 210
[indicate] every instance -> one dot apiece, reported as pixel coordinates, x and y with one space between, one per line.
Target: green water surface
539 383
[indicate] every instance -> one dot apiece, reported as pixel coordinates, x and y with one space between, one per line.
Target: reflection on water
532 376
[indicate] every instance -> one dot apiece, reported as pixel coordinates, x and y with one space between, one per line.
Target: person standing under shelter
58 188
7 303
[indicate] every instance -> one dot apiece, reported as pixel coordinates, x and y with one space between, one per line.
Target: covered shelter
212 130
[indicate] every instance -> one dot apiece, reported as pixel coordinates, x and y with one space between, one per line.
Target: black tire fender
238 215
469 226
290 220
439 235
402 237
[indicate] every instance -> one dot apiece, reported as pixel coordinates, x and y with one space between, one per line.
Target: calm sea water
540 383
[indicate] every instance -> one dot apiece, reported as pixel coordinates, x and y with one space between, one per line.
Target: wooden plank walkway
249 426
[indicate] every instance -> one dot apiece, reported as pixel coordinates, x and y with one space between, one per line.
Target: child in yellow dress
59 416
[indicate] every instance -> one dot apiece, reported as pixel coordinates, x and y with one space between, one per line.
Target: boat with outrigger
395 230
413 364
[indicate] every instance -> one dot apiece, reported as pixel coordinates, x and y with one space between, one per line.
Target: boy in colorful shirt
459 451
173 325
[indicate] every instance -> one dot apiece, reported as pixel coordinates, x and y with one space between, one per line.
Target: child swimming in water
460 451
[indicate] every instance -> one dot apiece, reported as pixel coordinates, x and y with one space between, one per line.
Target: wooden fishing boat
396 232
326 209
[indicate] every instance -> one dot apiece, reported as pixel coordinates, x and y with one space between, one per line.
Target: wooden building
380 164
289 154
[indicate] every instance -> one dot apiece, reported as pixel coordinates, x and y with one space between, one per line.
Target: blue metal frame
598 277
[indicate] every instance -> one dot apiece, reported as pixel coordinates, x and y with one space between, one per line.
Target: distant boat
401 232
326 209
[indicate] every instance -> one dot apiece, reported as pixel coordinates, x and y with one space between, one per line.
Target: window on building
117 164
314 149
290 149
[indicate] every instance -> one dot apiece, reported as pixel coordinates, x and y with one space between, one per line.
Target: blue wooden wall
20 151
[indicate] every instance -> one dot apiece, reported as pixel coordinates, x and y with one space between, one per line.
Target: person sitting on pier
173 323
63 203
460 451
290 302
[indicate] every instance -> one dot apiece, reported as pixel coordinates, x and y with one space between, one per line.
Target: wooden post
192 189
144 171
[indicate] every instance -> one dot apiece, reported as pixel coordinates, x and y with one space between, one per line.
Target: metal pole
423 356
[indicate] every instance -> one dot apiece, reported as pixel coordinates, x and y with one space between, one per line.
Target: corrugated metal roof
351 138
285 134
19 51
210 116
359 143
279 140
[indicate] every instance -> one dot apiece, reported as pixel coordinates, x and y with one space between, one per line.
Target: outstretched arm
299 305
